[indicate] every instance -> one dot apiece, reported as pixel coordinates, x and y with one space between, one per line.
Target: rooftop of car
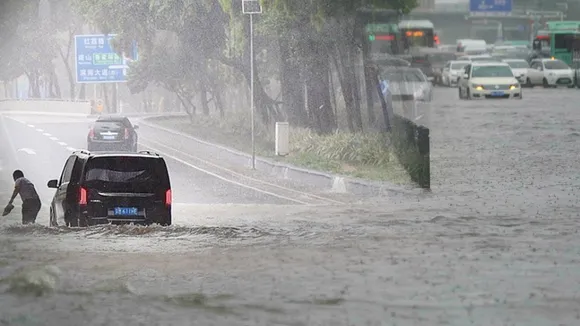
518 60
117 154
111 118
546 59
489 63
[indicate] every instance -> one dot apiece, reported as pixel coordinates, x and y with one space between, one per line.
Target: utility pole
252 7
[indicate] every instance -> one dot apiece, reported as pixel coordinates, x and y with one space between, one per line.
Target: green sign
107 59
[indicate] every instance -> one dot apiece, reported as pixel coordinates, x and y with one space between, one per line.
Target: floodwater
496 243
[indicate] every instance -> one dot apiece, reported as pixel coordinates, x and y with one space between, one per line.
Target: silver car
407 84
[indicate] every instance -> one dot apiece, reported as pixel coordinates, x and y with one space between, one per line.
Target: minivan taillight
126 133
82 196
168 198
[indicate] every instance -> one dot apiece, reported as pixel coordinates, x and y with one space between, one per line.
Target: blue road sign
96 62
490 7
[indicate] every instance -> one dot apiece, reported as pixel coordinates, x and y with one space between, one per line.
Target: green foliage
367 149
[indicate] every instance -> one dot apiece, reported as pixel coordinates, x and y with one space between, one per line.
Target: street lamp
252 7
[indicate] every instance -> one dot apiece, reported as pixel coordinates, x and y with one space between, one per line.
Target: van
111 187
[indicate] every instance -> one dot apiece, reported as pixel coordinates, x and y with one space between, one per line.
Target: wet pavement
496 243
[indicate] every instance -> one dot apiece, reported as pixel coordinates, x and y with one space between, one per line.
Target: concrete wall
46 106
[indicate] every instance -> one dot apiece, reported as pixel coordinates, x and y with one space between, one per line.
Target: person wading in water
30 200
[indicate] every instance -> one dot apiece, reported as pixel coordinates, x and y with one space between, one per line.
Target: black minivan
112 187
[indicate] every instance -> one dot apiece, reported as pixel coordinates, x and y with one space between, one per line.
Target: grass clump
361 155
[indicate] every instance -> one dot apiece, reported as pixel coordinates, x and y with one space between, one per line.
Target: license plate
497 93
125 211
108 137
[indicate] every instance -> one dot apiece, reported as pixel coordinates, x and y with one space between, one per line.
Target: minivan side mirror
53 184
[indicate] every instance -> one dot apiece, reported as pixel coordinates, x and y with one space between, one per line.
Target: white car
451 72
519 68
488 80
549 73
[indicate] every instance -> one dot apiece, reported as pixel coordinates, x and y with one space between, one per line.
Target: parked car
118 187
112 133
488 80
519 68
452 71
437 59
549 73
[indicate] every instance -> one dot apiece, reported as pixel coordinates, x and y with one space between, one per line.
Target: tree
65 24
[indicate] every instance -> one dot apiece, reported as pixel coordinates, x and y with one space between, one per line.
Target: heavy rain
291 162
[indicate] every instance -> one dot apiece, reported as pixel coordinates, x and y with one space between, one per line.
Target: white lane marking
61 143
225 179
27 151
242 175
31 126
39 130
47 134
71 149
53 138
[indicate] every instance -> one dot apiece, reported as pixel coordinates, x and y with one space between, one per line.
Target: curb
335 183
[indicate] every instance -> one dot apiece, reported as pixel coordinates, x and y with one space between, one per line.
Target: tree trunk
319 103
65 59
290 84
83 92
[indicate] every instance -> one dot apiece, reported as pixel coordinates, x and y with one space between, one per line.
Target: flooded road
496 243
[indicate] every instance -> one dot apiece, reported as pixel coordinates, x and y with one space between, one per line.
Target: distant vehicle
381 41
519 68
479 58
556 40
112 133
511 52
407 84
393 61
421 61
549 73
97 188
471 46
452 71
437 59
418 33
488 80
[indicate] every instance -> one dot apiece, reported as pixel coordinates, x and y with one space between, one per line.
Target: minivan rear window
126 174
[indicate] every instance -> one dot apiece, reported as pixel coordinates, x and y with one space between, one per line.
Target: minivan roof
144 154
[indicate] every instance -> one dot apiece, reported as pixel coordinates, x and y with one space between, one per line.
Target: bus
382 41
557 39
418 33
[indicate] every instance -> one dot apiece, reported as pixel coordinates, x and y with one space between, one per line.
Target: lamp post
251 8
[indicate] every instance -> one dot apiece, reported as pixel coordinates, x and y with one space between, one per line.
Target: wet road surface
495 244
